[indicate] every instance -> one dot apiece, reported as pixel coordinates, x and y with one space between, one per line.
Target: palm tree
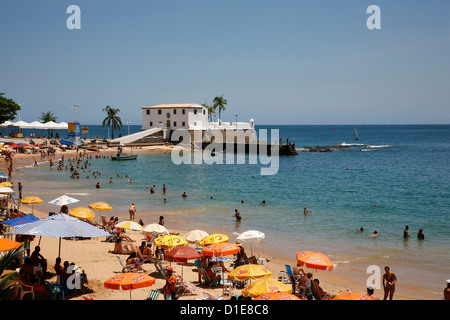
221 103
211 111
47 117
8 282
112 119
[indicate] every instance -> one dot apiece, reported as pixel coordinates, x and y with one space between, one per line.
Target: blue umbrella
3 176
20 221
60 226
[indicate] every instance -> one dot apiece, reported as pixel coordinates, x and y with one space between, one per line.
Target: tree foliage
8 109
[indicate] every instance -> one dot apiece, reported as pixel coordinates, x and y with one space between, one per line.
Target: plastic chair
55 290
26 289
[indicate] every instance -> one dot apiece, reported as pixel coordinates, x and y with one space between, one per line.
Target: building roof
176 106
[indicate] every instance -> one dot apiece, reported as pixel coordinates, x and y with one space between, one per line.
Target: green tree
8 281
47 117
219 102
211 111
8 109
112 119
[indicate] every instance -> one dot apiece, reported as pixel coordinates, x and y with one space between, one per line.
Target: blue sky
279 62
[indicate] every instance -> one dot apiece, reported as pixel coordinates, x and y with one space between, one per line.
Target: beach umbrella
251 235
82 213
6 184
155 228
220 250
314 260
131 225
182 254
6 190
260 287
20 221
170 241
31 200
213 238
352 296
100 206
249 271
63 200
129 281
3 176
277 296
60 226
195 236
6 245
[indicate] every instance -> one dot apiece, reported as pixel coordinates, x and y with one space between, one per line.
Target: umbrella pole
59 252
39 240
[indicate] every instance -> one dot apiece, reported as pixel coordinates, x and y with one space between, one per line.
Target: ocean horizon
393 176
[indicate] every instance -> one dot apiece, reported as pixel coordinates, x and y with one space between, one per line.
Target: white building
189 116
194 118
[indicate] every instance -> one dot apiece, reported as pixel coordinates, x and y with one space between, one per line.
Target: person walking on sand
389 280
132 211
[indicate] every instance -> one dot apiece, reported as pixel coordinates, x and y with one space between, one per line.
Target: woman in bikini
389 280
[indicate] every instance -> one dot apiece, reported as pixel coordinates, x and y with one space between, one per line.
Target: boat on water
356 137
124 156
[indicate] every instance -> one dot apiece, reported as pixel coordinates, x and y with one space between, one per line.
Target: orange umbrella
220 249
129 281
314 260
352 296
6 244
277 296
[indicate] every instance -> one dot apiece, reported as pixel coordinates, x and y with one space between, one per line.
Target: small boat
124 156
93 149
356 138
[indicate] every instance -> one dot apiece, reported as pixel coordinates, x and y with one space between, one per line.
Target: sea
393 176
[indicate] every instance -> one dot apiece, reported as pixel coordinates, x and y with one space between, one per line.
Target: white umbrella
60 226
195 235
51 125
6 190
155 228
5 124
251 235
129 225
63 200
63 125
20 124
37 125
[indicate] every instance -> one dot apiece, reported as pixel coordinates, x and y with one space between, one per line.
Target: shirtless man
132 211
237 215
447 291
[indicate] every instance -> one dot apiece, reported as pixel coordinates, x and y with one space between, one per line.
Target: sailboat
356 138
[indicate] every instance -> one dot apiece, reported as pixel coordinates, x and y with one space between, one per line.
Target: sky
279 62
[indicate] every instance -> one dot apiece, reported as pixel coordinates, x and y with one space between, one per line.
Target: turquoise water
394 175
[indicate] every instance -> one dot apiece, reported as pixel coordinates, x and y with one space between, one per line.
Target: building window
151 123
148 111
195 111
174 123
174 111
204 111
159 111
184 124
183 111
195 124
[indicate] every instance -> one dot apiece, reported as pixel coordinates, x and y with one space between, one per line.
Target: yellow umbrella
213 238
249 271
260 287
6 184
129 225
100 206
31 200
170 241
82 213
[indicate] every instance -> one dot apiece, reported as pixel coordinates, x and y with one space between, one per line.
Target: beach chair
153 295
55 290
159 267
24 289
293 279
209 282
209 296
125 267
187 287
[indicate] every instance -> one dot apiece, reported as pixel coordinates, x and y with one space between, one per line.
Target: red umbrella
182 254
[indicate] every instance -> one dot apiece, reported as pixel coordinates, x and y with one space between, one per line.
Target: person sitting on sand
370 292
304 284
37 259
121 248
135 258
321 294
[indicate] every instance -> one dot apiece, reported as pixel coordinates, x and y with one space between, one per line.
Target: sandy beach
95 258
